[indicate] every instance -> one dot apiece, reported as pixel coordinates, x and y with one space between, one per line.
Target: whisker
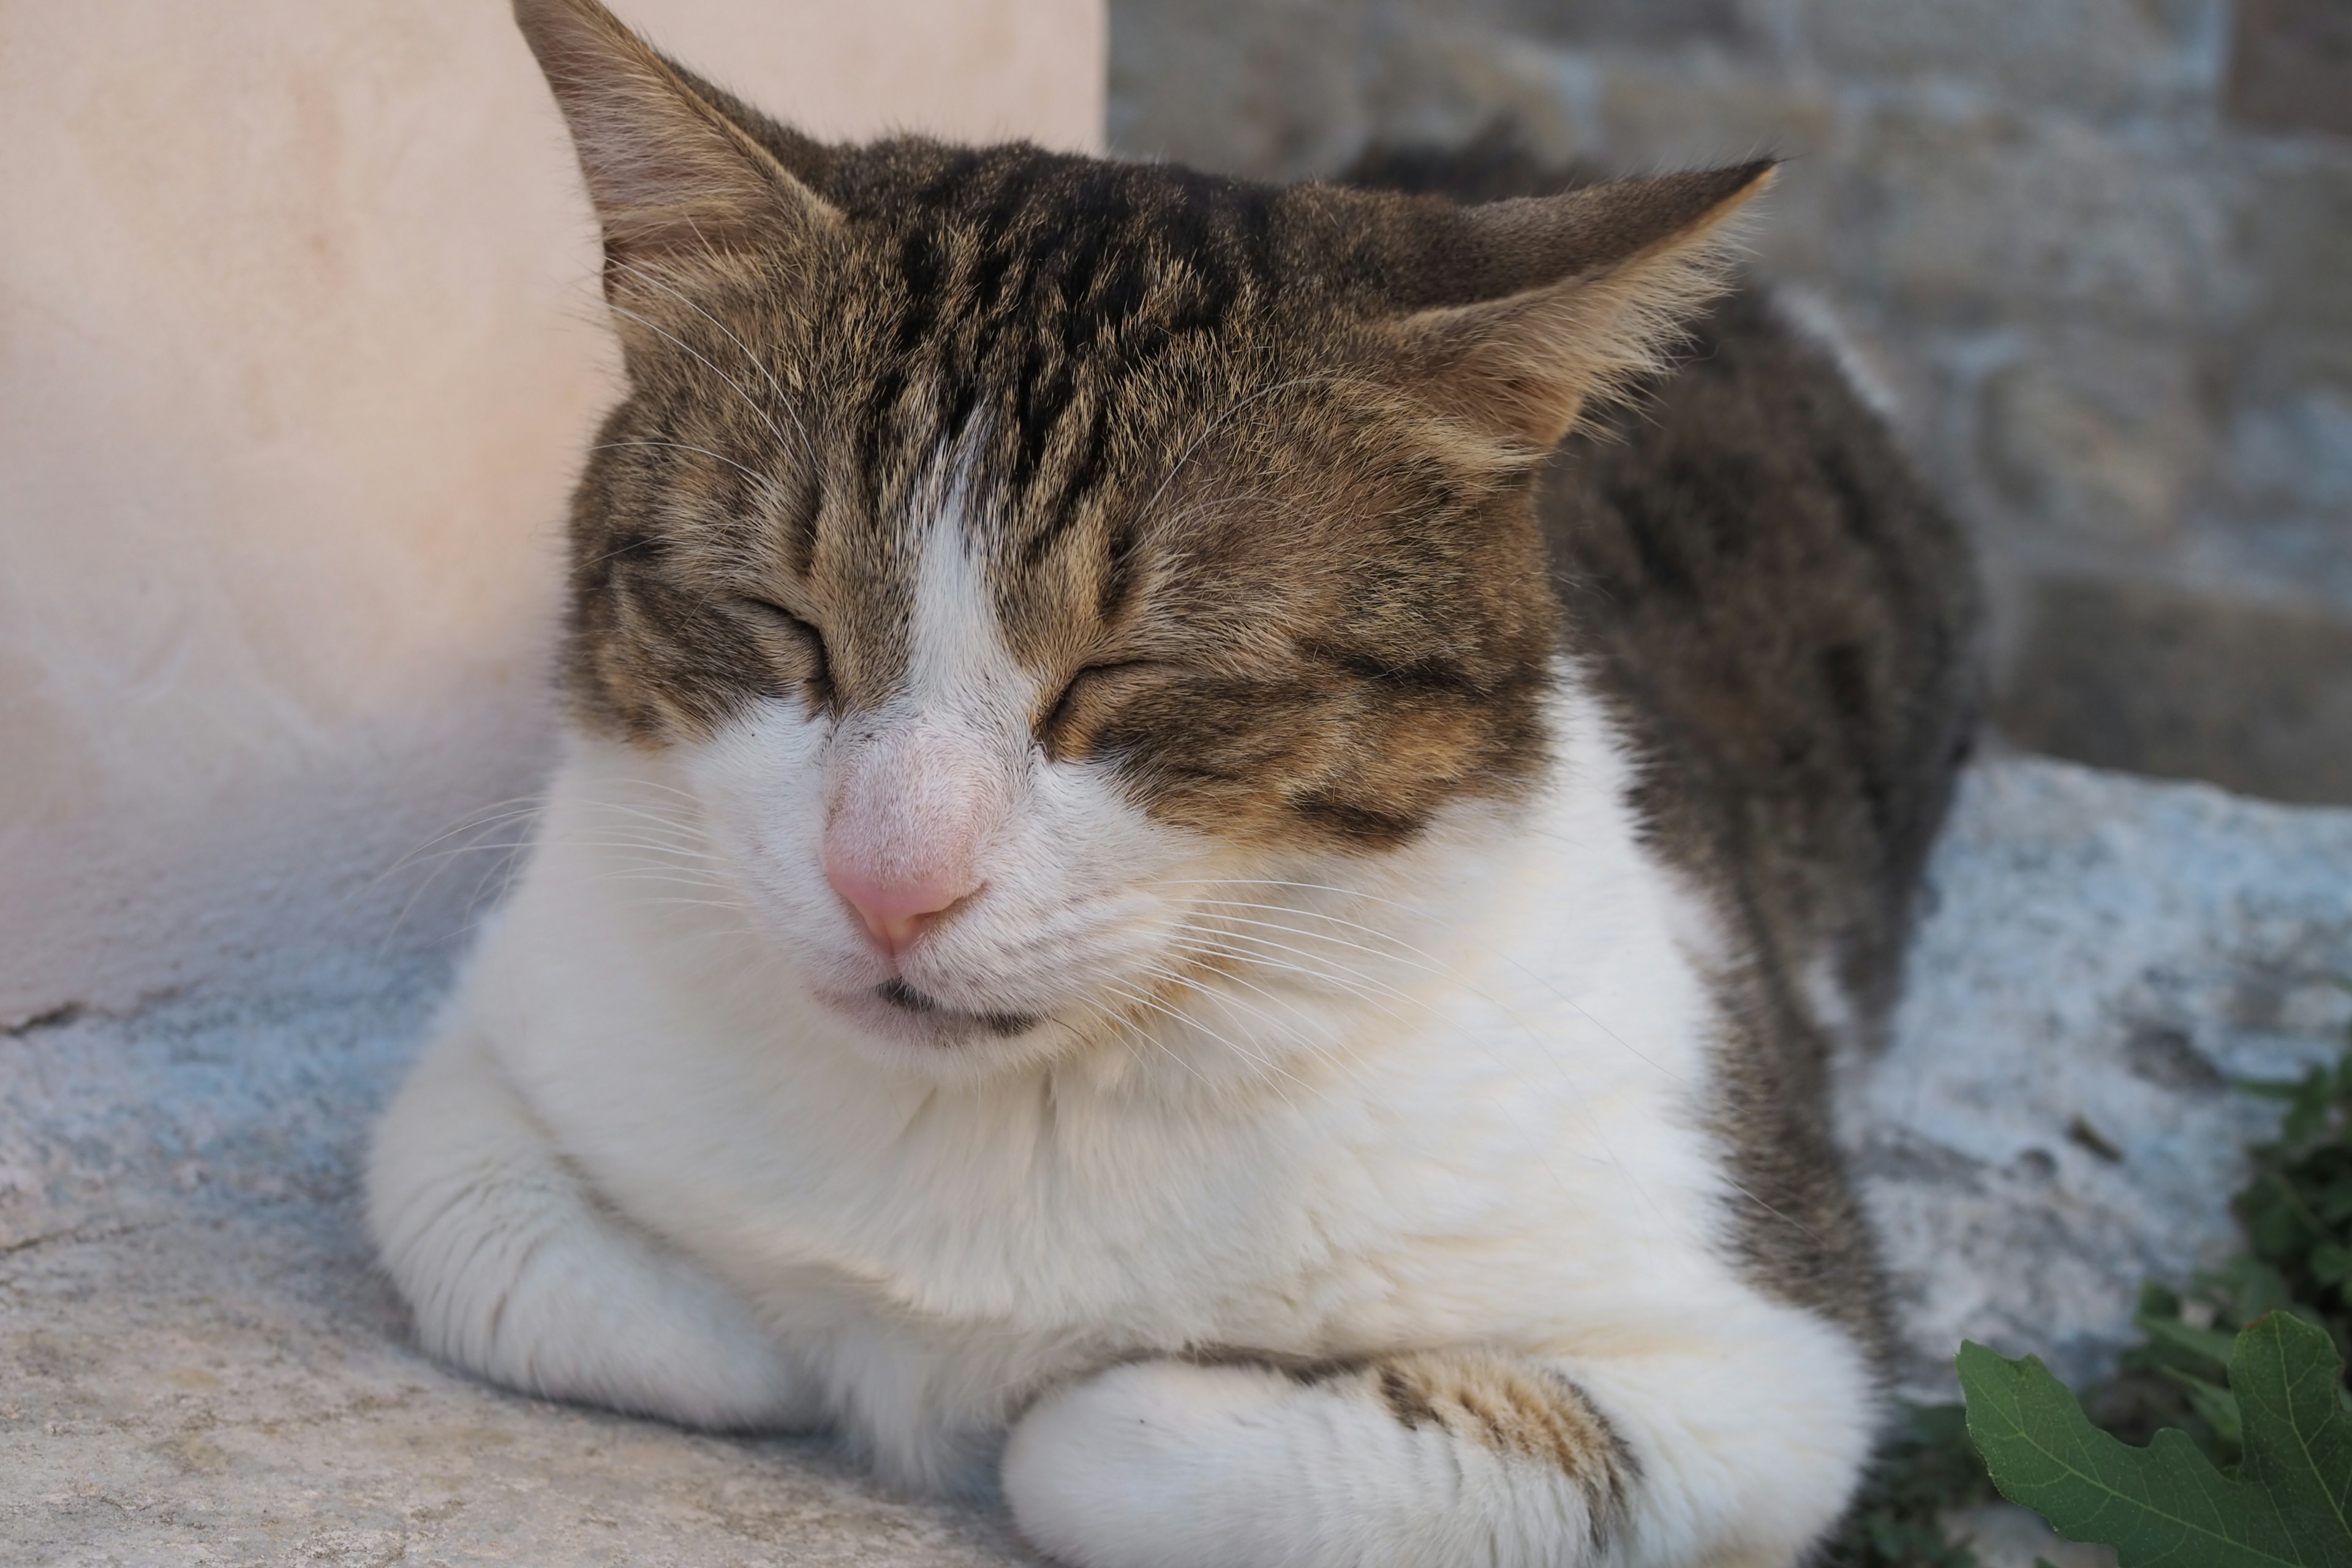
1408 947
1737 1186
1192 983
1199 943
1138 999
783 399
807 455
1268 1068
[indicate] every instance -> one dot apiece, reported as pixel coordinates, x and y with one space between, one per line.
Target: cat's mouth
907 999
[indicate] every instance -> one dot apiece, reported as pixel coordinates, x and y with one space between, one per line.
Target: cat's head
1028 561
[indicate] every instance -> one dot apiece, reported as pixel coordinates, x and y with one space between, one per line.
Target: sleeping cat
1156 899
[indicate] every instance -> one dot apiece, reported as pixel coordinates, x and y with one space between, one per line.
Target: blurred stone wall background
2099 250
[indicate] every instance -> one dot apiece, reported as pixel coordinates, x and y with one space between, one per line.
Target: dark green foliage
1927 1468
2297 1213
2166 1506
2238 1391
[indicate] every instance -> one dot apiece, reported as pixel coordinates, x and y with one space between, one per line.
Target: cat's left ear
1554 300
672 176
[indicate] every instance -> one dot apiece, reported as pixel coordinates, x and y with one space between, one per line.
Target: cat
1158 903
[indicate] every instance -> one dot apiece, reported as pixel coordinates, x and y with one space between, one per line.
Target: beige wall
298 345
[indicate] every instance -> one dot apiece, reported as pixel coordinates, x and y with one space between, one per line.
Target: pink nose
909 809
896 910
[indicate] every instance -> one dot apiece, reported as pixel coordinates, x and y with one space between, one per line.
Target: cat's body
1096 918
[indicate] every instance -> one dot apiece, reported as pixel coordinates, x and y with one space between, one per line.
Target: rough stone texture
2055 1123
198 1364
2289 64
2098 250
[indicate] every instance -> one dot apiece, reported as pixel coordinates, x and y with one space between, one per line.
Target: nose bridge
920 789
911 805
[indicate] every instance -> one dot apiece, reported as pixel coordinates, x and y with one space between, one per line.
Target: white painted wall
299 344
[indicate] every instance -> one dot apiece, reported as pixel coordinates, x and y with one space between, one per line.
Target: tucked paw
513 1272
1167 1464
1152 1464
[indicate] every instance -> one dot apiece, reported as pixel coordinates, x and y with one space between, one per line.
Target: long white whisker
768 481
1129 1027
1236 1048
807 455
1292 1032
1317 936
1374 897
1204 945
1196 943
1347 892
783 399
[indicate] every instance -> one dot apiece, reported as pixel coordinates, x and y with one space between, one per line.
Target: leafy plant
2296 1215
2289 1504
2298 1211
2176 1399
2238 1391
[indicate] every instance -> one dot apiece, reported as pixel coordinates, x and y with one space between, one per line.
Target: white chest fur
1495 1139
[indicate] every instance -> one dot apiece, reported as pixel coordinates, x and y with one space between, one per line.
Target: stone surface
199 1363
2290 65
2097 248
2054 1123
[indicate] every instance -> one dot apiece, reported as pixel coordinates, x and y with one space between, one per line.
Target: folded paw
513 1270
1452 1458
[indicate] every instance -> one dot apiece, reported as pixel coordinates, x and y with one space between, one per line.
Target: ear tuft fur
671 176
1605 278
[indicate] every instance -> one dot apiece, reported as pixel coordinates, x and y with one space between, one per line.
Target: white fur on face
1061 859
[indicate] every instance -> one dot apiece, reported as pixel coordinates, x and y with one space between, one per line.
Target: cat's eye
775 616
1058 731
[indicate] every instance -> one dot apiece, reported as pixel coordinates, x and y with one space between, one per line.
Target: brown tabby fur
1249 473
1253 474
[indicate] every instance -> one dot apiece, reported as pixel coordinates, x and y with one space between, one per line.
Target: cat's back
1779 612
1784 623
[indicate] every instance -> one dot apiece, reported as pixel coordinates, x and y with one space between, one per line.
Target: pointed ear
1582 291
671 176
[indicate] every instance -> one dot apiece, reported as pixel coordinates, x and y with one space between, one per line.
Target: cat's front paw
1148 1463
1167 1464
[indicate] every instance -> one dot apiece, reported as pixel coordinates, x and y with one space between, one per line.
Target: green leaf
2255 1289
2165 1506
2298 1438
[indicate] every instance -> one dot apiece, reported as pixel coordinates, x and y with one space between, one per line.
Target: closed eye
1056 729
774 617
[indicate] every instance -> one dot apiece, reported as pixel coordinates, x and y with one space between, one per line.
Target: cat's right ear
673 179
